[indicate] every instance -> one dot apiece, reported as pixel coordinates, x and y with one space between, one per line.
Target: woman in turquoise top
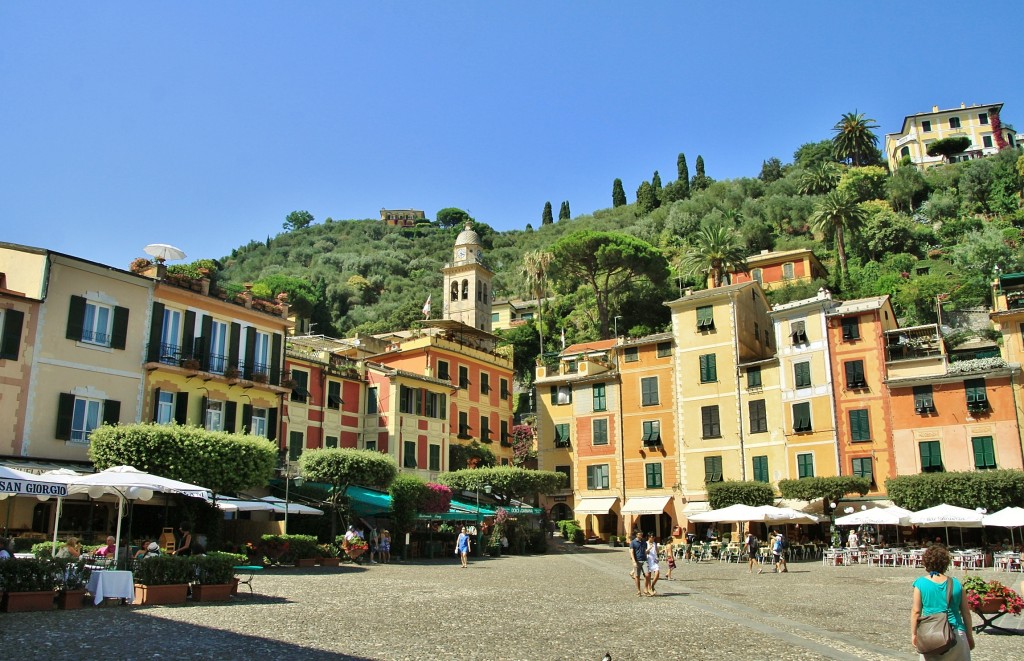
930 598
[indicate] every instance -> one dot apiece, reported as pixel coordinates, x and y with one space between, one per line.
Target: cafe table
111 584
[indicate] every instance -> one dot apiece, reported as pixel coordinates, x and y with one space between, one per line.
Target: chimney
963 105
689 292
935 109
764 251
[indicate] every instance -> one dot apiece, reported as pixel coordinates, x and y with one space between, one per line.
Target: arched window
479 293
455 290
485 292
905 151
756 274
465 290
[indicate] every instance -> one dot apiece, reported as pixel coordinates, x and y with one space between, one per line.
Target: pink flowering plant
978 590
522 444
437 499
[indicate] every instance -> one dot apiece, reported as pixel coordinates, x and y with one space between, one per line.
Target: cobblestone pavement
576 605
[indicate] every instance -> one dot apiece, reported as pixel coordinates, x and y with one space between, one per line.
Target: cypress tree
684 177
546 218
700 166
656 182
618 194
646 200
563 211
700 180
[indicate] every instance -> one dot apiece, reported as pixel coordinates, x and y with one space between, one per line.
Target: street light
616 323
479 534
287 482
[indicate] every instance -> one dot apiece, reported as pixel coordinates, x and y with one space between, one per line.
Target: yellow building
19 318
780 268
1008 317
980 124
715 331
506 314
807 418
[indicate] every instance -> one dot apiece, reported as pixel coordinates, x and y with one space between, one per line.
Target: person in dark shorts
639 550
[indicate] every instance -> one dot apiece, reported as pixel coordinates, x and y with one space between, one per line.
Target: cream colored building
979 123
19 317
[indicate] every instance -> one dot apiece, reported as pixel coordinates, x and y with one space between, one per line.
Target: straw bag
935 635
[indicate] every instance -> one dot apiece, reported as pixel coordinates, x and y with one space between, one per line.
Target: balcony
914 352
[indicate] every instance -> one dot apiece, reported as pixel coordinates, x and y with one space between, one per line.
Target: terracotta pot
213 592
234 586
355 553
330 562
305 562
159 595
23 602
990 605
70 599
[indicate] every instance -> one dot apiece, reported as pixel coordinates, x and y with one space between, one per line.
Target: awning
367 502
291 507
646 505
696 507
595 505
227 504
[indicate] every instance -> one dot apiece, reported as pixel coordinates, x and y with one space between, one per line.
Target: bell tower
467 283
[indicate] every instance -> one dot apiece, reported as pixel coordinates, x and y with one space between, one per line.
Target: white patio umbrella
877 516
944 516
280 505
787 515
734 513
1010 517
14 482
161 252
228 504
128 482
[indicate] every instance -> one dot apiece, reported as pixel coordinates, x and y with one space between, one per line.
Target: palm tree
836 215
535 268
853 140
715 250
819 179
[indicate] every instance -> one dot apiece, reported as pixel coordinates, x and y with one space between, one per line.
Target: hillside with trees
910 234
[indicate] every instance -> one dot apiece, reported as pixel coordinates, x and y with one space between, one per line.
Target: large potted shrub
163 579
71 577
27 584
215 574
303 550
329 555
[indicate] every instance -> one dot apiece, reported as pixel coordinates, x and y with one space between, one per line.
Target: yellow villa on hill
980 124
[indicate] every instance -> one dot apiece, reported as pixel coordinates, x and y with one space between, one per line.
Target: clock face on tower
460 253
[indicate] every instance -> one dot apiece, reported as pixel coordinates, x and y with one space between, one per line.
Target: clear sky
202 124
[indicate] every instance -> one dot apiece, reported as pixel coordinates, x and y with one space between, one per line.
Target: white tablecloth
111 584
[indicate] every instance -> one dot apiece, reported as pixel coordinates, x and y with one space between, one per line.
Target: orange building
857 341
785 267
19 318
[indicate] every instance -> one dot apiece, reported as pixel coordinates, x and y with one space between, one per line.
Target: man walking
779 550
639 551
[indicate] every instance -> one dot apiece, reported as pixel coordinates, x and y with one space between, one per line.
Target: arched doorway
560 512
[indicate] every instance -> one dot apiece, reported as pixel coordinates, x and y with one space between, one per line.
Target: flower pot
23 602
355 552
305 562
234 585
330 562
160 595
990 605
70 599
213 591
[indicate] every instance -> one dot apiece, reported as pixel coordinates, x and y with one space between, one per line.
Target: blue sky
203 124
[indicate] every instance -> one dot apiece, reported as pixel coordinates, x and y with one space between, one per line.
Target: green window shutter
802 374
275 360
156 327
984 452
590 477
247 418
708 368
250 353
76 320
860 429
761 468
802 417
272 424
203 344
181 408
188 335
111 411
10 341
754 377
119 329
234 340
230 415
156 403
554 395
65 411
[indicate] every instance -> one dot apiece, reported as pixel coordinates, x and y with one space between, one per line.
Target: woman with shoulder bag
940 612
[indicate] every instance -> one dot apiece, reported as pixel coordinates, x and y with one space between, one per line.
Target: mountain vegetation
910 234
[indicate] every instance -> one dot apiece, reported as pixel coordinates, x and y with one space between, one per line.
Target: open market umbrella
944 516
787 515
14 482
1010 517
161 252
734 513
877 516
129 483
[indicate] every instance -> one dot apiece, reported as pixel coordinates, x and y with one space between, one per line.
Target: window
218 356
713 469
296 441
798 332
977 400
924 401
485 383
767 339
653 473
862 468
406 399
805 465
706 318
170 337
904 152
860 427
854 374
802 374
761 468
164 408
434 457
300 382
258 424
787 271
986 141
330 441
442 370
984 453
926 126
485 429
503 432
664 349
561 395
600 401
371 401
261 353
710 425
851 328
334 395
758 416
757 331
649 391
632 354
652 433
567 472
465 290
600 429
931 456
708 368
97 322
86 418
495 317
409 455
463 425
370 444
213 418
954 122
753 378
562 439
463 376
757 275
505 392
597 476
802 417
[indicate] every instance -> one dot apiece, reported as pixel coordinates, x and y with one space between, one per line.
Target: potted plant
72 576
304 550
354 547
163 579
329 555
192 364
992 597
231 373
215 574
260 377
28 585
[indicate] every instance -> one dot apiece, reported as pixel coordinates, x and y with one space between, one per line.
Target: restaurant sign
24 488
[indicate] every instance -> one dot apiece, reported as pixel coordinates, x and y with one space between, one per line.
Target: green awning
367 502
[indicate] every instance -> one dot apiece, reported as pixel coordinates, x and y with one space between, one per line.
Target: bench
250 571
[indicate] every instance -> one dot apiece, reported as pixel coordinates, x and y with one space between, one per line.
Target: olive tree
507 483
341 467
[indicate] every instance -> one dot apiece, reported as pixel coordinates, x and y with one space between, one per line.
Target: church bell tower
467 283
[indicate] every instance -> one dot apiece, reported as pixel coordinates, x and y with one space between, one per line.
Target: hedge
993 490
731 492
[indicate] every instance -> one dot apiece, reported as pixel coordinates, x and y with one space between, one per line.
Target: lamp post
479 518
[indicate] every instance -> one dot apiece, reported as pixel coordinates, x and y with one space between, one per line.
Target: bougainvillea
438 499
522 444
